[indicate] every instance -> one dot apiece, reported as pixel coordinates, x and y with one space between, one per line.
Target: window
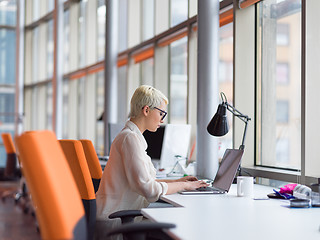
8 14
34 109
282 152
101 25
50 49
65 100
147 72
35 53
7 71
162 16
282 112
99 142
123 19
179 11
3 154
7 103
7 56
49 106
35 9
178 81
82 34
279 87
282 73
148 19
50 5
66 42
122 91
81 107
283 34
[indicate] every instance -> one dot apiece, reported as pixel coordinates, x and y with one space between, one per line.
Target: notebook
225 174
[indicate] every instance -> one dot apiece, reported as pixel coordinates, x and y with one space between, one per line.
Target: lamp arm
237 113
243 118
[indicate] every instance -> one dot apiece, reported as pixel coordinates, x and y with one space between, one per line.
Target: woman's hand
181 185
195 184
187 178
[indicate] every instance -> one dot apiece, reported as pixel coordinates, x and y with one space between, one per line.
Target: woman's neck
139 123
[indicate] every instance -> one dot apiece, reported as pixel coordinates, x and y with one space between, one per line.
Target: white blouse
129 178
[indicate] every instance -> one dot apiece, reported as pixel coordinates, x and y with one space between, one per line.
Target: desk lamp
218 125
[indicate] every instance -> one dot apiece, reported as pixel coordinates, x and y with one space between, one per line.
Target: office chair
11 172
76 159
93 162
54 192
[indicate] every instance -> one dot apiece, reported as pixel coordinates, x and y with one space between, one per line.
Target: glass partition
279 84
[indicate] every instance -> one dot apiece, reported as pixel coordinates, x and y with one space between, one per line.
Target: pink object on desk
288 188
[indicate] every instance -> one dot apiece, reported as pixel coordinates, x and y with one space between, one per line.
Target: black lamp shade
101 118
218 125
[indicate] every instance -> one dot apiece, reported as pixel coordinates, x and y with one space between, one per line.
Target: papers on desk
179 170
161 174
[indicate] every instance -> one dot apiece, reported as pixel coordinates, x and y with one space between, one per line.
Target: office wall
312 87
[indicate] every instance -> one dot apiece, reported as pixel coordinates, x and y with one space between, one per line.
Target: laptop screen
228 169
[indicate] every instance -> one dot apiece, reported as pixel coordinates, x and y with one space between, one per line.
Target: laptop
225 174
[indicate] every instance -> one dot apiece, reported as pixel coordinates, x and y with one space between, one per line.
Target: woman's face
155 117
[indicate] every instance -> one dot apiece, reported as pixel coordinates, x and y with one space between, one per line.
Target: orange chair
11 171
93 162
54 192
75 156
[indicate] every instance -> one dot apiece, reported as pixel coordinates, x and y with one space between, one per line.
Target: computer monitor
154 141
176 141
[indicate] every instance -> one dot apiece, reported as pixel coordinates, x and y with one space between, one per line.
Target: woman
129 178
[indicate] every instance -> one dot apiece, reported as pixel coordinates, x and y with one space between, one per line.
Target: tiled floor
14 223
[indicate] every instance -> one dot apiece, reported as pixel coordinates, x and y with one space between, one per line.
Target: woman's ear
146 110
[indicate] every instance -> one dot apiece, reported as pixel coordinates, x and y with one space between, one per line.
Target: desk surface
227 216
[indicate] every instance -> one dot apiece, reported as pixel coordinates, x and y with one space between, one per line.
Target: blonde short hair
145 96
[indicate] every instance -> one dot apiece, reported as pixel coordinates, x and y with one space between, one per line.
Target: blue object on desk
284 195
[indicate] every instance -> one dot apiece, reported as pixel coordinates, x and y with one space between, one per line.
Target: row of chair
77 161
63 176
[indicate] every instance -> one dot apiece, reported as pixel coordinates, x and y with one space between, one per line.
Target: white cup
244 186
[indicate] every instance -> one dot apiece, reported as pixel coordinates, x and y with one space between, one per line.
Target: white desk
227 216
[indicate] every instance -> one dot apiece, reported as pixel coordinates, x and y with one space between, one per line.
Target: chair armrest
127 216
139 230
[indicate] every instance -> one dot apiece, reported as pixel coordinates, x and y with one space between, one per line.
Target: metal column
58 68
111 81
207 91
20 67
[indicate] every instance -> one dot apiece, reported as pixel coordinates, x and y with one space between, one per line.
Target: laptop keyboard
205 189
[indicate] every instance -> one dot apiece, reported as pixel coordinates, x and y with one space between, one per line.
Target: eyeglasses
163 114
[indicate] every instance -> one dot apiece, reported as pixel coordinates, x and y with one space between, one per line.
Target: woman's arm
174 187
183 179
182 184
